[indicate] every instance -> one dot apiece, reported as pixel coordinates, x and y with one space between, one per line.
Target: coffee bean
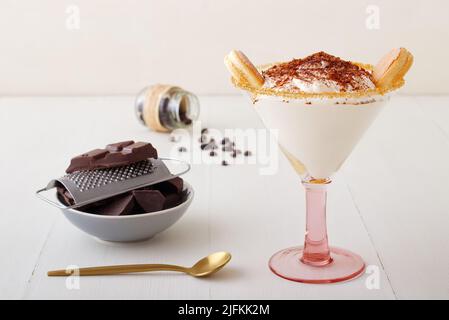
182 149
224 163
209 146
203 138
234 154
247 153
212 153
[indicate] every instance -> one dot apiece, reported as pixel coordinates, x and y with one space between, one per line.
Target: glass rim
289 95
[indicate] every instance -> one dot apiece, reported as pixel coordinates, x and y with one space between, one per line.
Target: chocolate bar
114 155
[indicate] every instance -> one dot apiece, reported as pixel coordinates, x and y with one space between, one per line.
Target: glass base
344 266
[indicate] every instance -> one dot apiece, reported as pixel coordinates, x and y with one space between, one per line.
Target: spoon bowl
210 264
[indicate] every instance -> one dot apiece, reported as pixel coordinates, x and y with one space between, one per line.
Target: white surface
389 204
120 47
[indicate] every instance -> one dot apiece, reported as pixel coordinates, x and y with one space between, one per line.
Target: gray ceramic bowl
128 228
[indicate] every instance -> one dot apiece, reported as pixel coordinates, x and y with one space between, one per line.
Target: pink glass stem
316 248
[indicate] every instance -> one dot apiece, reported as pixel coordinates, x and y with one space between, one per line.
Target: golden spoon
204 267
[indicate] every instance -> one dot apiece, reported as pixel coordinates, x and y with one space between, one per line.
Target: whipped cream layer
318 73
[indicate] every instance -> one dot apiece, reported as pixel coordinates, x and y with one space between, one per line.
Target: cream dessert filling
320 136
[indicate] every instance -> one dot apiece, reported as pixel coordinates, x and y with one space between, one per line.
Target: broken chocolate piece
149 200
116 206
175 185
172 200
114 155
65 197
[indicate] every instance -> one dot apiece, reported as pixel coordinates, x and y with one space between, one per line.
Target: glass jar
164 108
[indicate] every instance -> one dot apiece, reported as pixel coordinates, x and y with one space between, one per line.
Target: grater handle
48 200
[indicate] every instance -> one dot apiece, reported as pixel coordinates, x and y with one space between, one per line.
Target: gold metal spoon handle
119 269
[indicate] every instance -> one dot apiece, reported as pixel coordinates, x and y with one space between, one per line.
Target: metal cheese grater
90 186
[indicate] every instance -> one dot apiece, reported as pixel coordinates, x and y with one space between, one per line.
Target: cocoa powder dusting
319 67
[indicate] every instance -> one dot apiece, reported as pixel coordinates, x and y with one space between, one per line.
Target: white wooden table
389 203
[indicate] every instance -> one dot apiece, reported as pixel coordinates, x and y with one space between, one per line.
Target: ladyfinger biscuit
392 67
242 69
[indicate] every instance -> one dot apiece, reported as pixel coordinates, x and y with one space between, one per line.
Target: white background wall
123 45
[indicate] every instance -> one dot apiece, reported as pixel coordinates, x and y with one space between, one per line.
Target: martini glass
317 132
